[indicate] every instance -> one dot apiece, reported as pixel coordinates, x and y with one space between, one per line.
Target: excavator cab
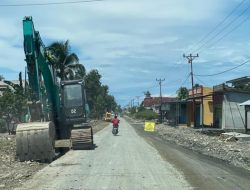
75 111
74 103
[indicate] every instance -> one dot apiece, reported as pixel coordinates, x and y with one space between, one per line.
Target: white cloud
131 42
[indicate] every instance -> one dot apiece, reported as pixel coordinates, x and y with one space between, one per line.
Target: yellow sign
149 126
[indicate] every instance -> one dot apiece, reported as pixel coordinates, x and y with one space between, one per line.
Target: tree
197 85
1 78
98 96
66 63
182 93
14 99
75 71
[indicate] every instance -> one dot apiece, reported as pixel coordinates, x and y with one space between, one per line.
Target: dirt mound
12 172
228 149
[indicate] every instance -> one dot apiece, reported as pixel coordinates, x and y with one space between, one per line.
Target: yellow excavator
58 110
108 117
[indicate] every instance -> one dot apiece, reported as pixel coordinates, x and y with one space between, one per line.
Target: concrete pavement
124 162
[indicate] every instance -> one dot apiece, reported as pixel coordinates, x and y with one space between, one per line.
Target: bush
2 126
146 114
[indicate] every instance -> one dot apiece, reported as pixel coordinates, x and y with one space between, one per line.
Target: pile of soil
228 149
14 173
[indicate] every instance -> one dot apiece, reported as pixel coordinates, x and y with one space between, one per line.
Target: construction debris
237 136
14 173
230 148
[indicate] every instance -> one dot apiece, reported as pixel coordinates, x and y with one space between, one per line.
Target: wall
233 115
207 107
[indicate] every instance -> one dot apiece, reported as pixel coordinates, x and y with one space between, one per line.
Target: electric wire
51 3
225 35
222 72
222 30
218 25
197 78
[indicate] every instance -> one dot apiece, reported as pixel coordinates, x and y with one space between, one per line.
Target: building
154 103
203 103
228 114
3 87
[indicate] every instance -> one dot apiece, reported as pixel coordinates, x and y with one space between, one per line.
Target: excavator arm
41 73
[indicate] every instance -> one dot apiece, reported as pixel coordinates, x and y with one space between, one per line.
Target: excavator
108 116
58 110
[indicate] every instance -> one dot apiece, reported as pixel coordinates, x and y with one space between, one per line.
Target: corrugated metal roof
246 103
245 79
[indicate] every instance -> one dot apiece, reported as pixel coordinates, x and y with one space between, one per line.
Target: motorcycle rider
115 122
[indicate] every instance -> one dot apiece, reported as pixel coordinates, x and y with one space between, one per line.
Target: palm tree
66 63
75 71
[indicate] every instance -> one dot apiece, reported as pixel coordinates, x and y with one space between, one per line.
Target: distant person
115 122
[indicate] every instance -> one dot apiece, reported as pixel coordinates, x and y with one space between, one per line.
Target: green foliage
197 85
98 96
2 125
182 93
146 114
68 68
66 63
13 101
132 110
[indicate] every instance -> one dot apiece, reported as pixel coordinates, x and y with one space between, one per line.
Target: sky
134 42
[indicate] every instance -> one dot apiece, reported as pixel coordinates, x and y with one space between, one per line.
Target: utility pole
138 97
190 59
160 81
132 103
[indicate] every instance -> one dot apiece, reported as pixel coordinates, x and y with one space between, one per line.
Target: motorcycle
115 130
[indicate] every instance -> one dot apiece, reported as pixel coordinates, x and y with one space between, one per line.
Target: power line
200 80
222 30
45 4
219 24
184 81
245 62
225 35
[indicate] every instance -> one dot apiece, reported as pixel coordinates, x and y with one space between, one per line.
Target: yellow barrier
149 126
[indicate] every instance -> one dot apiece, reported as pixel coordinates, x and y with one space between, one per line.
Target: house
203 103
154 103
228 114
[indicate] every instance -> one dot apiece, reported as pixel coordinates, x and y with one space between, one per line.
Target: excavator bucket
35 141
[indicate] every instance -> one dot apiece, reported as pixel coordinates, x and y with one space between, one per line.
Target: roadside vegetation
142 113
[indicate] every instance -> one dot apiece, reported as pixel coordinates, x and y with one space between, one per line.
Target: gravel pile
225 148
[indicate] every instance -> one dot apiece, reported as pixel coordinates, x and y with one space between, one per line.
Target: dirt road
125 161
202 172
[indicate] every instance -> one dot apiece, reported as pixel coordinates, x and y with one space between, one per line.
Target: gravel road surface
201 171
125 161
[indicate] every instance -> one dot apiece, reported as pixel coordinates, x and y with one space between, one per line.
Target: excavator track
35 141
82 138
